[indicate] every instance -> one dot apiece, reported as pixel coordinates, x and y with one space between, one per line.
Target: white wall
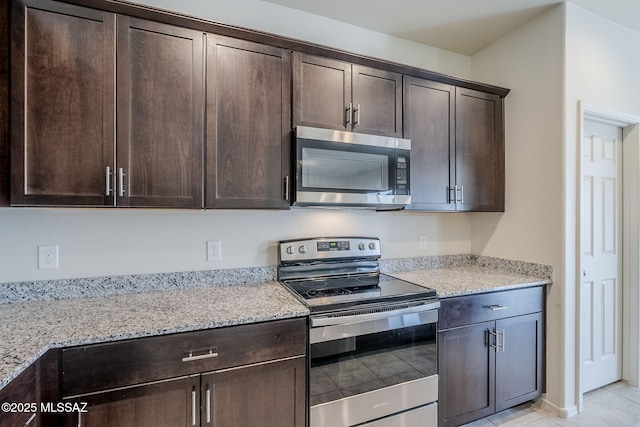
96 242
305 26
530 62
105 242
603 60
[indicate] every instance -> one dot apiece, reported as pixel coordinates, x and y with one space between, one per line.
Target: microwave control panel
402 174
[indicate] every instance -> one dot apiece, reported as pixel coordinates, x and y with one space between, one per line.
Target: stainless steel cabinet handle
348 119
497 307
461 194
451 199
193 407
108 180
286 187
495 339
357 120
121 182
503 340
208 405
190 358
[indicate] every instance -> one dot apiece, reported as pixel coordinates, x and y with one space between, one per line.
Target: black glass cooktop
336 292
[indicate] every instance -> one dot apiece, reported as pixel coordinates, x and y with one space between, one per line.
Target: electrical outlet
47 257
423 242
214 250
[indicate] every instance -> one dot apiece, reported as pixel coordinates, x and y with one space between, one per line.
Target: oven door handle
327 328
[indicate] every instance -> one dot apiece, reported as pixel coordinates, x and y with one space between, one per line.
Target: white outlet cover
214 250
47 257
423 242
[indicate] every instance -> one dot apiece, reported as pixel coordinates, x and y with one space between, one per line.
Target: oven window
344 170
351 366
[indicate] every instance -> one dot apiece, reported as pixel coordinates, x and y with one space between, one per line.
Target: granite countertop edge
234 309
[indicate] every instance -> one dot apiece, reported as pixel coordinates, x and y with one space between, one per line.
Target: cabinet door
4 104
479 151
62 112
21 390
466 368
248 124
160 114
321 92
429 122
377 101
267 395
172 403
519 360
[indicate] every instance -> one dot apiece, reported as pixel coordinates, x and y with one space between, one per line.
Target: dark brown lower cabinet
238 376
169 403
21 390
266 394
488 366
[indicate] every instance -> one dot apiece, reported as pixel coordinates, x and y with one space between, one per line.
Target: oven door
371 365
351 169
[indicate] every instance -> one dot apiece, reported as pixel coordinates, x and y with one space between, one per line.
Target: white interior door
601 224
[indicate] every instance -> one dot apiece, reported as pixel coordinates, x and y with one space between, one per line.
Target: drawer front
469 309
104 366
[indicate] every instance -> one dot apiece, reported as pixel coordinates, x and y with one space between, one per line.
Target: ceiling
462 26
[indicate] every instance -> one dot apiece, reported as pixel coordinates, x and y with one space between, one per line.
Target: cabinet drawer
104 366
466 310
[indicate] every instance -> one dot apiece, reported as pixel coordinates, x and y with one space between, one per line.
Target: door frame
630 234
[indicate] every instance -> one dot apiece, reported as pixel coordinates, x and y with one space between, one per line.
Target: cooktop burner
336 292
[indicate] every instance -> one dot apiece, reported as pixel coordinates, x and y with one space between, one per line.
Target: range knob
372 246
290 250
361 246
303 249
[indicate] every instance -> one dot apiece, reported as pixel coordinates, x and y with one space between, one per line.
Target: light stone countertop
469 279
38 316
28 330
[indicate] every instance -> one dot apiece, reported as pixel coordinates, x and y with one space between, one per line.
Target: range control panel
328 248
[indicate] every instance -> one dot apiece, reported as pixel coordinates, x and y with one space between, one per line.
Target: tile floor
616 405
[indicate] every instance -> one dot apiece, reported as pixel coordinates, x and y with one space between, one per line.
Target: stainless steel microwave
347 169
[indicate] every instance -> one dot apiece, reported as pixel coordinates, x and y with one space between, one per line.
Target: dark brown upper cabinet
160 104
248 124
457 147
429 113
66 148
338 95
479 151
62 115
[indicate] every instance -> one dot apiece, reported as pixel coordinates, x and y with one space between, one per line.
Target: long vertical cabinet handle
194 396
357 119
347 120
286 188
108 190
121 182
461 194
495 336
503 340
208 405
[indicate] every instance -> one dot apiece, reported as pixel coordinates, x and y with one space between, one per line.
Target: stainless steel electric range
373 358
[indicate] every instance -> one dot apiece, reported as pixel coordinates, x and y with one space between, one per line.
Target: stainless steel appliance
336 168
373 358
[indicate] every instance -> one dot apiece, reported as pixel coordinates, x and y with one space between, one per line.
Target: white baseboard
559 412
